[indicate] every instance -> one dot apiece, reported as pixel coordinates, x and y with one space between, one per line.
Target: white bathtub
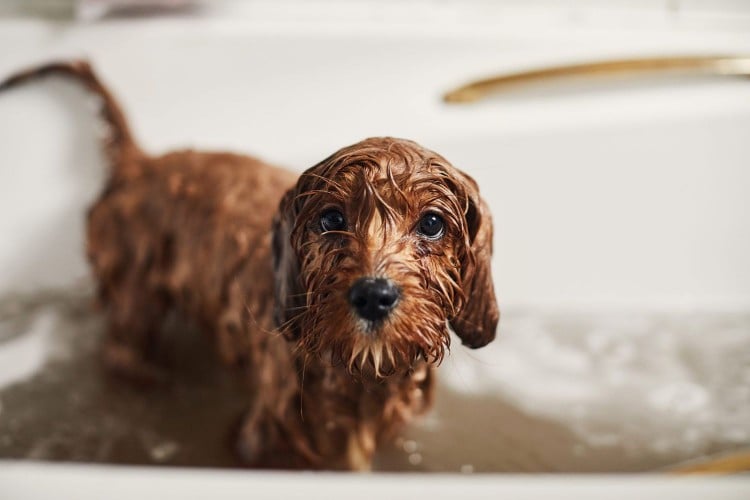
622 215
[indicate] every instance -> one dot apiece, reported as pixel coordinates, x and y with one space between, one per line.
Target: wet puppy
332 292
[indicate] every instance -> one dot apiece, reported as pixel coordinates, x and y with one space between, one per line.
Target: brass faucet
681 65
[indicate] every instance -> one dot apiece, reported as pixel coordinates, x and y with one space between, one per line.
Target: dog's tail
120 145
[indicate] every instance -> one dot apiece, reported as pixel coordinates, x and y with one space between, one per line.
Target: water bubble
164 451
415 458
682 398
410 446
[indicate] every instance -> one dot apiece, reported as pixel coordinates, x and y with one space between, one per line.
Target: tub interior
622 232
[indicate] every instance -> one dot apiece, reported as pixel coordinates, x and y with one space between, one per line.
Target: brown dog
332 292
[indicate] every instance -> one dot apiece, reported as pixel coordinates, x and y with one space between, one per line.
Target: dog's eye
332 220
431 225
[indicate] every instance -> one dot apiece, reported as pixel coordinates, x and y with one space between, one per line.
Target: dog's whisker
302 388
255 322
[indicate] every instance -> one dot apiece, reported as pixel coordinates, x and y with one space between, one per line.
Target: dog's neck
352 412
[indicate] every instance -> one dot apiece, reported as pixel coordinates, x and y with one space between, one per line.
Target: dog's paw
250 441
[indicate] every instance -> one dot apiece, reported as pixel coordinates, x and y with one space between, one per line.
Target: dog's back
176 231
181 235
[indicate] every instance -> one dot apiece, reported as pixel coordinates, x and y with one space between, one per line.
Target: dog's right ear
289 299
476 322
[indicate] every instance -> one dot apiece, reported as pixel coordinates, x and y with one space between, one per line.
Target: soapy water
557 391
664 384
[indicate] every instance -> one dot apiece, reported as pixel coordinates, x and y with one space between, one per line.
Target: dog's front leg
271 441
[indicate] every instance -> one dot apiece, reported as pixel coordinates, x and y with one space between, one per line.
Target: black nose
373 298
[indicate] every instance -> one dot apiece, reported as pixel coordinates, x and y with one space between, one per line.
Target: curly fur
235 245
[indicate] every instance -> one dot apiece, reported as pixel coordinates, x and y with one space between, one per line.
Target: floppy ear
476 321
289 299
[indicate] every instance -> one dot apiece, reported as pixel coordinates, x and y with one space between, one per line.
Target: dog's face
377 249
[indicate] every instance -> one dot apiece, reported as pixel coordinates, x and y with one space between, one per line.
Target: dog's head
376 250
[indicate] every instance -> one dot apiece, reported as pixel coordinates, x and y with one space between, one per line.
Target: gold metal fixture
690 65
730 463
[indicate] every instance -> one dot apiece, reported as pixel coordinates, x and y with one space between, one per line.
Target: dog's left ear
476 321
288 297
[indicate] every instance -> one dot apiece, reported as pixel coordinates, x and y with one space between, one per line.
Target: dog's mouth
387 347
370 328
343 329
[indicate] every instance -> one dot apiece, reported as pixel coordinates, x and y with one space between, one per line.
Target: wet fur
234 245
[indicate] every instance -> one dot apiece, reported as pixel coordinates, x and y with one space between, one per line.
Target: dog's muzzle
373 298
